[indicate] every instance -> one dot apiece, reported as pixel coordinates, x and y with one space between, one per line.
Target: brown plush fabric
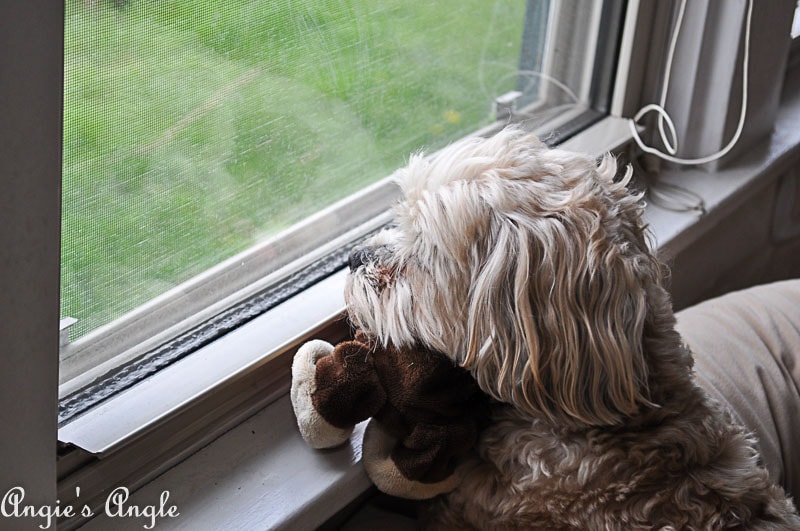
432 407
746 347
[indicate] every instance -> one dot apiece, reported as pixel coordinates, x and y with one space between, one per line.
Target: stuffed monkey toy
426 413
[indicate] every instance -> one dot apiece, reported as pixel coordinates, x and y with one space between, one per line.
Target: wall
757 243
31 36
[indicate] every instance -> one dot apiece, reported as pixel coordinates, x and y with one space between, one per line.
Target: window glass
196 128
220 156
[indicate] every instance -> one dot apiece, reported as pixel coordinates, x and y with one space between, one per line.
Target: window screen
195 128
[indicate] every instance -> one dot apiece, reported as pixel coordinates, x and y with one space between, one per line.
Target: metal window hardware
63 327
505 106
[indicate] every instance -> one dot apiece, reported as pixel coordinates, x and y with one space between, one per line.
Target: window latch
505 106
63 327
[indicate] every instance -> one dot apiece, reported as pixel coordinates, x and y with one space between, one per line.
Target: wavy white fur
530 267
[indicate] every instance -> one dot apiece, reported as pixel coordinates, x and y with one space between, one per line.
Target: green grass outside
195 128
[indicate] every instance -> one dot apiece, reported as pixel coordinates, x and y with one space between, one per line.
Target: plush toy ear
316 431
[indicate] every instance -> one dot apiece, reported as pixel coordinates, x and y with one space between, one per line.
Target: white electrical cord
671 144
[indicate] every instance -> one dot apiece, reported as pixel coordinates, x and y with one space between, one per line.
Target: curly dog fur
531 268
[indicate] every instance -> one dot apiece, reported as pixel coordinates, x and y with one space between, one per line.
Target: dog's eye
360 256
369 255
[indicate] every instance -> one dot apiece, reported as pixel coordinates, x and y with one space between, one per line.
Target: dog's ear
558 308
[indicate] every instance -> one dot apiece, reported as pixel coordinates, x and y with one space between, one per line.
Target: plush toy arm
391 475
316 431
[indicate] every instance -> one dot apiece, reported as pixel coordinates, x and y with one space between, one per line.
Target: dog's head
526 265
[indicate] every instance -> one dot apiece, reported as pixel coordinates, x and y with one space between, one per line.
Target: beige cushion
747 354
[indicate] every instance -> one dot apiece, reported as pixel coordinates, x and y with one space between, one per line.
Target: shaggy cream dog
530 267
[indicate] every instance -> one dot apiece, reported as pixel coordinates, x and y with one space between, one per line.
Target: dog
531 268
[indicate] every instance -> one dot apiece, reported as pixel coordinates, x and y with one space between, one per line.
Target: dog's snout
358 257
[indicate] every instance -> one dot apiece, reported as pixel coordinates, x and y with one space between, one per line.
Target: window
240 148
195 130
212 150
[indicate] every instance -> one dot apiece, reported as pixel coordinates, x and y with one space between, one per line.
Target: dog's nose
358 257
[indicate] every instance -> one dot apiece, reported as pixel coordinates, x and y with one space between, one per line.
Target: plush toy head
426 412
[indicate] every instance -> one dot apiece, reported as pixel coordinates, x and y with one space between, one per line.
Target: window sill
260 473
127 415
